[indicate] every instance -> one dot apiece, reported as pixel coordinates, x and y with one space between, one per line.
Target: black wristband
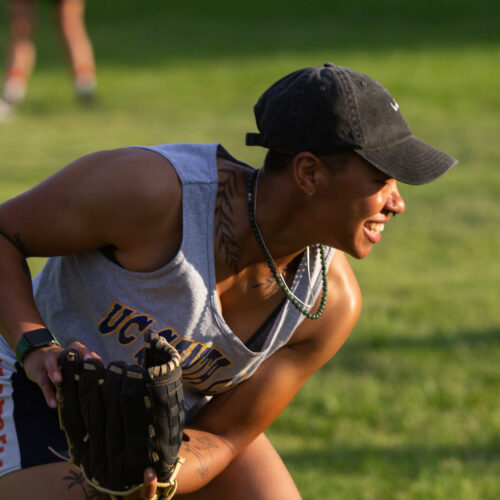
33 340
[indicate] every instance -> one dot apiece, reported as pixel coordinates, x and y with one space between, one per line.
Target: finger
48 391
52 366
35 366
95 355
148 490
84 352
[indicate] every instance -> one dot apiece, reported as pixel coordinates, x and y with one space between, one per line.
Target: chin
360 253
357 247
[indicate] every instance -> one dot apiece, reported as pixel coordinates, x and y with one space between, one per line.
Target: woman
242 270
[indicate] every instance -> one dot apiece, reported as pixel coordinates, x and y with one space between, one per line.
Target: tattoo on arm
26 268
15 240
18 243
76 478
20 246
201 448
223 218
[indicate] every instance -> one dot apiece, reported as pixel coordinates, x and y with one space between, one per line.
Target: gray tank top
89 298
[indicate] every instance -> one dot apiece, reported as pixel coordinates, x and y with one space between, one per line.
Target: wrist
33 340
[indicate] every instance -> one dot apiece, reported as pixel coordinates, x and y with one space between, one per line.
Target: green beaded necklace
277 277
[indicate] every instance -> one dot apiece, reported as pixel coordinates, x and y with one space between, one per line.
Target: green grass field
410 407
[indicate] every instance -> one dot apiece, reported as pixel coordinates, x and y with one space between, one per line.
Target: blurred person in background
21 55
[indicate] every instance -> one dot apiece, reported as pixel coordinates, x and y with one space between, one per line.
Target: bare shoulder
135 172
128 199
321 339
344 291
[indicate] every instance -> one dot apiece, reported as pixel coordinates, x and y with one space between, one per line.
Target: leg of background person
71 21
258 473
21 54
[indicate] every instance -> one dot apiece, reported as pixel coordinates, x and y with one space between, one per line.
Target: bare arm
124 199
233 420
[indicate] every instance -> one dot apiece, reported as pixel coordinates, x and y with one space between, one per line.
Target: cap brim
411 161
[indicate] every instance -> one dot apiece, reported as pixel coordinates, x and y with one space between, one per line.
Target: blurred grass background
409 408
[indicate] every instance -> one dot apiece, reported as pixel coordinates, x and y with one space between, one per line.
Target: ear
306 171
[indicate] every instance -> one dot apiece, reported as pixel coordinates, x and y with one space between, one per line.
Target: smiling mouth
373 231
376 227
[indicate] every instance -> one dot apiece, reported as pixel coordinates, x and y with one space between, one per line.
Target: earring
310 192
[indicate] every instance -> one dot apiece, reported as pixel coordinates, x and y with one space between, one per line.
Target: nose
395 202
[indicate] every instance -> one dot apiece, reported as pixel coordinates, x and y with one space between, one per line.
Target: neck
235 245
278 210
274 267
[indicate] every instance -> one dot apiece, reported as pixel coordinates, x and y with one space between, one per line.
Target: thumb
148 490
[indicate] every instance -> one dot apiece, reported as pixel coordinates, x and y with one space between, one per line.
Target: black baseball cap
330 109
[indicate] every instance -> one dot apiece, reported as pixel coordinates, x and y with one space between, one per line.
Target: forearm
206 456
18 312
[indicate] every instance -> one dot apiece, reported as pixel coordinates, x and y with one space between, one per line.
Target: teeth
376 227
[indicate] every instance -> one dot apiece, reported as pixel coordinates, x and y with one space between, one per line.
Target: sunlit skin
335 209
349 201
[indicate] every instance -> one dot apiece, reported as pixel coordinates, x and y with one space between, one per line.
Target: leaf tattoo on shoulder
269 286
224 222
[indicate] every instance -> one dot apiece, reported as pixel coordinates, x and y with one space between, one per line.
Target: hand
41 367
149 487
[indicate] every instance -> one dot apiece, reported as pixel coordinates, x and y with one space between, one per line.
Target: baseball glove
122 419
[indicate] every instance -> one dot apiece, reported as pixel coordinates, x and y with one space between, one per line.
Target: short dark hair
277 162
336 163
